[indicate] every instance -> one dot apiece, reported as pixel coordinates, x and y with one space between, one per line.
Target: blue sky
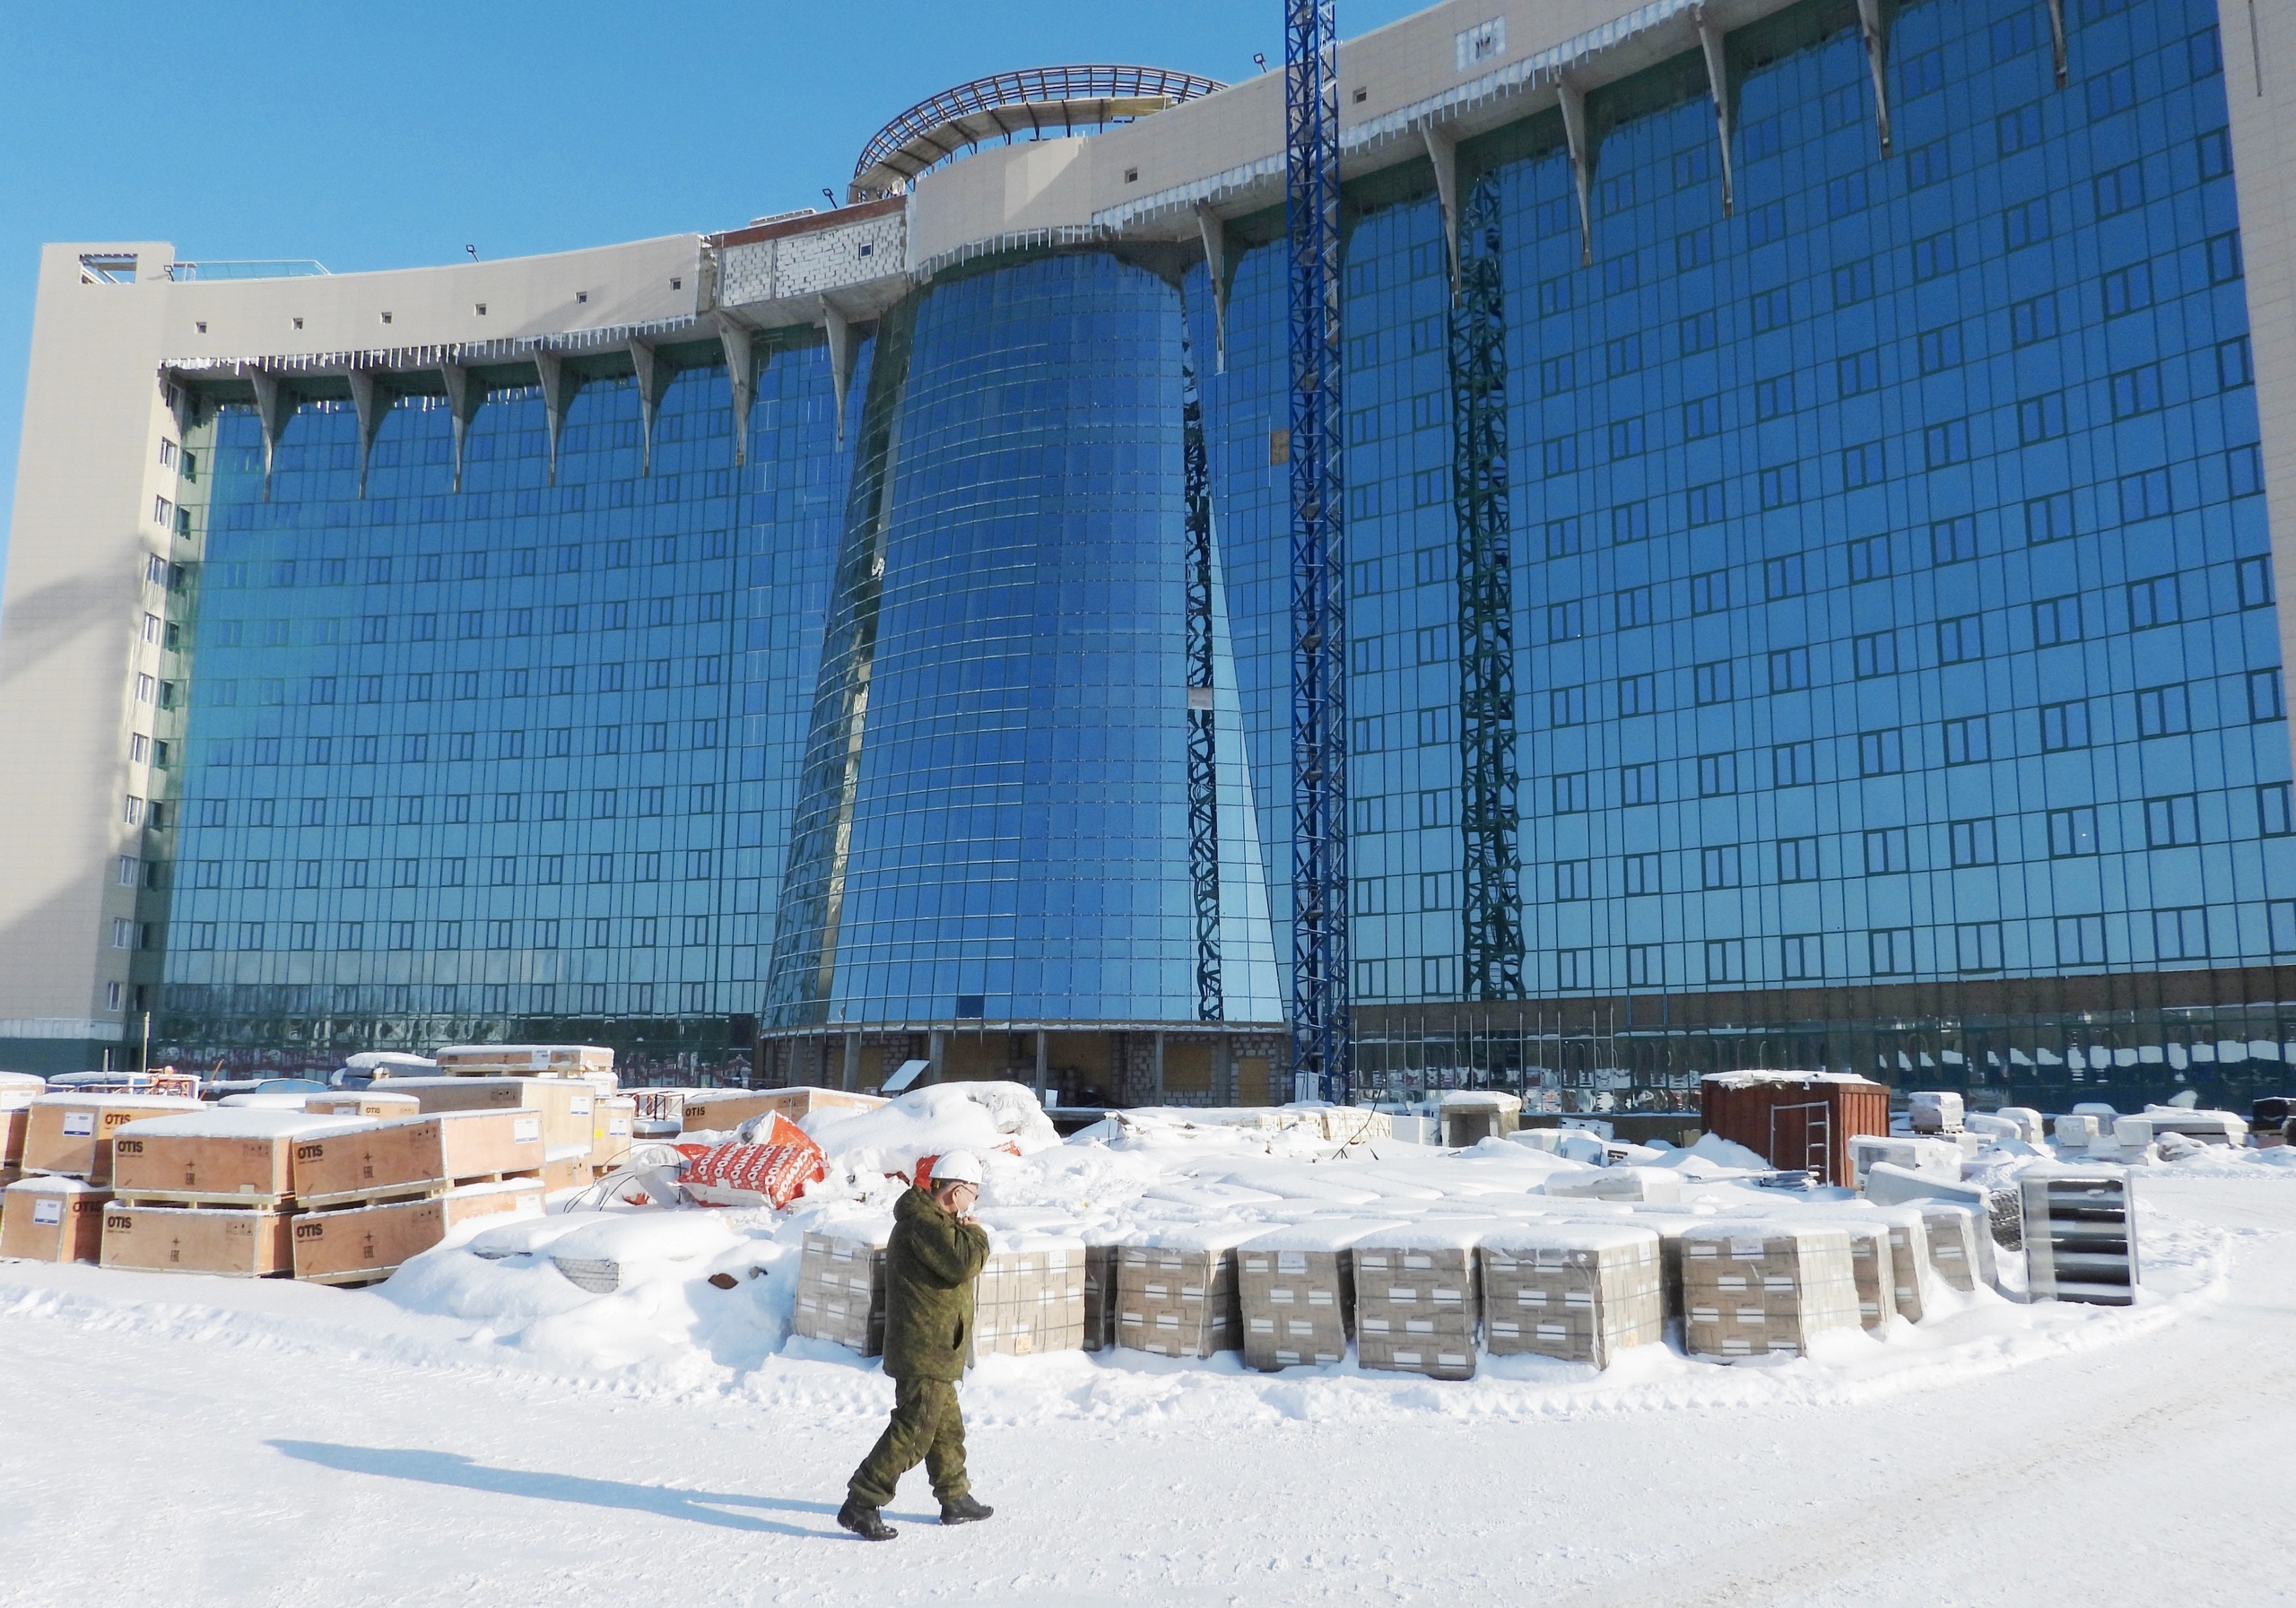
379 136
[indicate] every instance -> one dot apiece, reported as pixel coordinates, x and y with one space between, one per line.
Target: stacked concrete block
1417 1305
1765 1287
841 1287
1909 1260
2080 1235
1931 1158
1877 1276
1099 1297
1030 1297
1934 1111
1578 1292
1960 1243
1296 1289
1653 1186
1176 1291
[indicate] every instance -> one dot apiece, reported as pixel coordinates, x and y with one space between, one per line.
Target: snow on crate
217 1155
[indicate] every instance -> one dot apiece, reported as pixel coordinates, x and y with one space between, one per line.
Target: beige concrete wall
2264 162
1005 190
639 282
71 641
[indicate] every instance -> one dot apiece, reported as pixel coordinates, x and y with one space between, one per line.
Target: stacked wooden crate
59 1160
17 1092
565 1108
50 1217
210 1191
382 1191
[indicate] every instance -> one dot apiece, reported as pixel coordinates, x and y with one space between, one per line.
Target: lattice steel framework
1035 103
1320 1022
1203 769
1491 915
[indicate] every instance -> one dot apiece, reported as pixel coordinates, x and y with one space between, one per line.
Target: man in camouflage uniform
934 1255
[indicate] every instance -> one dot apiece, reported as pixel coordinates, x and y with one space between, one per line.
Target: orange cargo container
1797 1119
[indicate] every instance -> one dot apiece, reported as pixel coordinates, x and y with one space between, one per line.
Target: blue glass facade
1891 596
1837 632
521 752
995 826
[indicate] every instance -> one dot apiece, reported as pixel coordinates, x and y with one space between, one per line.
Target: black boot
964 1510
862 1519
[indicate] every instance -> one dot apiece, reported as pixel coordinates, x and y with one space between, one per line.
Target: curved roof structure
1036 102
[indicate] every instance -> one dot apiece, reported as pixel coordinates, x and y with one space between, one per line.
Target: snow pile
243 1122
865 1147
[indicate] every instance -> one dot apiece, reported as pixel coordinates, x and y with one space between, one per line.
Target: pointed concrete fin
465 396
741 371
2057 36
1213 228
653 380
1718 79
274 405
840 358
373 401
1582 164
558 389
1876 30
1443 150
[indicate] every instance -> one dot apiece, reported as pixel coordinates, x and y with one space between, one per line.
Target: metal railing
1049 88
291 268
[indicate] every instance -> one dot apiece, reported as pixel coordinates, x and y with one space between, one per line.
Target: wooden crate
237 1244
362 1244
419 1156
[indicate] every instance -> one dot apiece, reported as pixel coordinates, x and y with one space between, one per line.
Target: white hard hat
958 1167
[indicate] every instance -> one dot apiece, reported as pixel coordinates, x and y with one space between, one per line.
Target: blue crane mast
1321 1027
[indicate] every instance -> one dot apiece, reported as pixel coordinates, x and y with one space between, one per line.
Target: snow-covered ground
481 1431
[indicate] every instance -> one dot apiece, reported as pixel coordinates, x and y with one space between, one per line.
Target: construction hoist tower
1321 1061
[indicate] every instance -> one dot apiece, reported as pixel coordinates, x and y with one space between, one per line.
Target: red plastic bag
924 1176
772 1172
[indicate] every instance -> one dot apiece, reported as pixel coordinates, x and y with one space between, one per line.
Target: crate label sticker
47 1212
579 1106
1745 1250
524 1130
79 1125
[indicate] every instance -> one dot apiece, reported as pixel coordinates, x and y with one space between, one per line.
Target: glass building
1811 601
